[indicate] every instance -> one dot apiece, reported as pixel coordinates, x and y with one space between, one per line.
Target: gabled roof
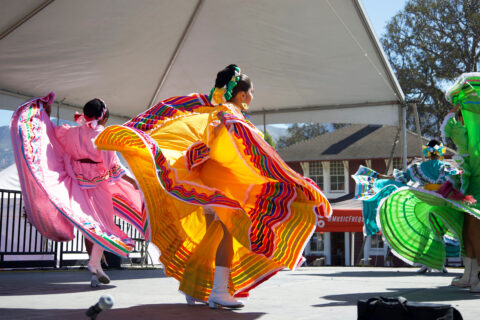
353 142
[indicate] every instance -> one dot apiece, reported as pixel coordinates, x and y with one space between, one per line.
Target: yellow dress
186 154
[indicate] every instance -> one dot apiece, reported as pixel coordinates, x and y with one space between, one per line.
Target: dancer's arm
382 176
48 109
132 181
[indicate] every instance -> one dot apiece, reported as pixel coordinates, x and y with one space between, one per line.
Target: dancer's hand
469 200
48 109
382 176
131 181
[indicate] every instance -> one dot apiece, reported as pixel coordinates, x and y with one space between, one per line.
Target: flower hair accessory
104 109
222 95
438 150
80 118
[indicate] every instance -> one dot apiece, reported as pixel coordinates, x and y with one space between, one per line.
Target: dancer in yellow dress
226 211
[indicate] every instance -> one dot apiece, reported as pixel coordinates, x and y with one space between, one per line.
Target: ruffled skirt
54 200
187 154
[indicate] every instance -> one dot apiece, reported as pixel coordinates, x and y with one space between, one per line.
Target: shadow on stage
51 288
445 294
379 274
151 311
65 281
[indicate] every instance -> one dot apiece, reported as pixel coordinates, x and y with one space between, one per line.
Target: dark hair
223 77
432 143
94 108
243 85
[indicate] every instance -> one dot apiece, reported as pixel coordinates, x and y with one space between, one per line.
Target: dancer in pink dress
67 182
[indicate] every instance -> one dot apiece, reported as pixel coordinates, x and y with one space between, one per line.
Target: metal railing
22 246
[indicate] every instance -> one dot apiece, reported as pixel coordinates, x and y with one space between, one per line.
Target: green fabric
465 92
414 221
471 116
456 131
383 187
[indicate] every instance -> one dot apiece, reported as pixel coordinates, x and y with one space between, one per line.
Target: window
316 242
315 173
337 176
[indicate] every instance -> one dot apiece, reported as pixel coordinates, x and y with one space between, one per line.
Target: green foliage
269 139
429 43
302 131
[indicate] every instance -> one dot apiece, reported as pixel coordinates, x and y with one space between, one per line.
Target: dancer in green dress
461 125
414 221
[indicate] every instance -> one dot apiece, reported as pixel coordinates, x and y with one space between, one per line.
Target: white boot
94 281
95 267
219 296
424 269
191 300
475 278
467 278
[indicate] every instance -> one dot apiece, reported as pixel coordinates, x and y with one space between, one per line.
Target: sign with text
342 220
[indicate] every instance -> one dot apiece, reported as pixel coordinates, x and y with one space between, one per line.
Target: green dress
455 130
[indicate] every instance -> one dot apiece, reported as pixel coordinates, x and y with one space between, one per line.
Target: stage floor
308 293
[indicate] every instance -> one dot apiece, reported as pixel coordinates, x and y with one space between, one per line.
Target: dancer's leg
220 295
474 236
469 261
95 266
467 238
224 255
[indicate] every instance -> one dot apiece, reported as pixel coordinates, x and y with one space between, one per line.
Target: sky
379 13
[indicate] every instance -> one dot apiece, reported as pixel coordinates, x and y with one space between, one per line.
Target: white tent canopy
9 178
310 60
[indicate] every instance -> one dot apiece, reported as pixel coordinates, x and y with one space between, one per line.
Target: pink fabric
59 190
78 143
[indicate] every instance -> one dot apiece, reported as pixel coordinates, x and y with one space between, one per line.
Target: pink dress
67 182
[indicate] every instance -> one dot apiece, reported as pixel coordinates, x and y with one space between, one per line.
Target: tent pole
404 135
17 24
176 52
360 254
417 126
59 105
58 113
390 159
264 122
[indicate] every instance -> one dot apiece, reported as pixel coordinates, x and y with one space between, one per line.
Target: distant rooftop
357 141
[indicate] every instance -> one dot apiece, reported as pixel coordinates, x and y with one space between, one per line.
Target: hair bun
94 108
225 75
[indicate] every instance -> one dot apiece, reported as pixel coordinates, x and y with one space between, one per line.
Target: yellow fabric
179 229
432 186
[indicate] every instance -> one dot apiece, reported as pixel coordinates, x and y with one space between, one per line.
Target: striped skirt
186 155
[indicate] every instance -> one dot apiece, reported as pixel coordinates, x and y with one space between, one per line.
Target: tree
429 43
303 131
269 139
300 131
